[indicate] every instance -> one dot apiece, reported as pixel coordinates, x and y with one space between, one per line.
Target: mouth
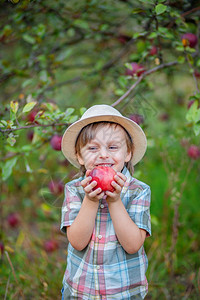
104 165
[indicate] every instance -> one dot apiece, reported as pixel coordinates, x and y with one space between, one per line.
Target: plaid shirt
104 270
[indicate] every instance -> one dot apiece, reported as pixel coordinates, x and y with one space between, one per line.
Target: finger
86 181
90 186
119 180
122 176
95 193
116 186
88 173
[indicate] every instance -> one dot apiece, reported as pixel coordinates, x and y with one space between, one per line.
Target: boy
106 230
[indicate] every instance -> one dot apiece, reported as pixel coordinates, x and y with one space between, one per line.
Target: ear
128 157
80 160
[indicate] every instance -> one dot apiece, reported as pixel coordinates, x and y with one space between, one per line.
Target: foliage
58 57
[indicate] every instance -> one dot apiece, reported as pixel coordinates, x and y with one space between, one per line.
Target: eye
92 148
113 147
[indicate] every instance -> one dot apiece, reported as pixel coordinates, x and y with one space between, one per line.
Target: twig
143 76
14 274
7 285
32 126
105 67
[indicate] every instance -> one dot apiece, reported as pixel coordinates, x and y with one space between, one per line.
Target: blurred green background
57 58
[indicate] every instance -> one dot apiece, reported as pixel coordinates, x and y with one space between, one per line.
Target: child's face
108 148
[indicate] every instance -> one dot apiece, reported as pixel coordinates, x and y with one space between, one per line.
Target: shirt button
98 267
99 236
102 206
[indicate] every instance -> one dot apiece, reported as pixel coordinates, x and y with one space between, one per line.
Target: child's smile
108 148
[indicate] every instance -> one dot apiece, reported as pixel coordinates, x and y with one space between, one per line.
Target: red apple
189 39
56 142
31 116
137 69
164 117
13 220
103 175
139 119
56 187
30 135
1 249
123 39
153 50
193 152
50 245
197 74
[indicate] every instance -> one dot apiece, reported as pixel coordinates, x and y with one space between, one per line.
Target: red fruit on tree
153 50
190 103
56 187
56 142
193 152
189 39
136 69
30 135
139 119
103 175
197 74
1 249
31 116
13 220
50 245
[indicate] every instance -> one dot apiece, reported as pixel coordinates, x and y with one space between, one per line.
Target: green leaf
11 140
29 106
82 110
29 39
28 168
193 114
43 75
160 9
196 129
81 23
27 82
4 123
181 59
8 167
137 10
63 55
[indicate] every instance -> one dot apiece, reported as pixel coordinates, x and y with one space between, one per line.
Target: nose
103 153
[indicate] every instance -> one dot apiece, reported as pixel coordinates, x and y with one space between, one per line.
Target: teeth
105 165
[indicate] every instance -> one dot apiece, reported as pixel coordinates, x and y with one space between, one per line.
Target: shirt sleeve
71 206
139 209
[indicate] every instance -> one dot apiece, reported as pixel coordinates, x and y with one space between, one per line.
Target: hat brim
70 136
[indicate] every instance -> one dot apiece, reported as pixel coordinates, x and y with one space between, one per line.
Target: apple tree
58 58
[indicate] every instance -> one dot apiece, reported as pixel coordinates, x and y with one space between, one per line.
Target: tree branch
32 126
140 79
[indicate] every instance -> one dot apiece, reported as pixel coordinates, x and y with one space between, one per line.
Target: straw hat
98 113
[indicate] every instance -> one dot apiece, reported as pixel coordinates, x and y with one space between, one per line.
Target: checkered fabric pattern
104 270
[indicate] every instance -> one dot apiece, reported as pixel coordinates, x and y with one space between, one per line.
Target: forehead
109 132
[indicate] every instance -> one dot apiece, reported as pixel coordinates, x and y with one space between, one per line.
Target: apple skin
31 116
189 39
56 142
137 69
103 176
50 245
193 152
13 220
1 249
153 50
139 119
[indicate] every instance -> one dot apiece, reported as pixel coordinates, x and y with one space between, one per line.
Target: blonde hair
88 133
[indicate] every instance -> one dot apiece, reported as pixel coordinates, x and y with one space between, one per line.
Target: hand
93 195
118 183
